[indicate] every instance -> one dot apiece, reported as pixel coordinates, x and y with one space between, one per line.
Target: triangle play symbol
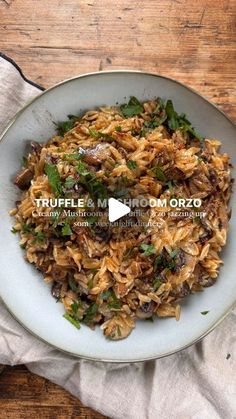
116 209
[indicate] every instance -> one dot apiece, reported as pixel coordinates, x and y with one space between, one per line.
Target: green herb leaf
82 169
65 126
118 128
75 306
151 124
133 108
39 238
128 253
113 302
157 282
71 319
73 285
204 312
96 188
105 294
160 175
90 284
174 253
53 175
158 262
91 219
98 134
176 121
148 249
75 156
143 132
90 313
69 182
66 230
13 230
131 164
27 228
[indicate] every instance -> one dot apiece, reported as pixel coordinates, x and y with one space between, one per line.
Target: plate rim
2 136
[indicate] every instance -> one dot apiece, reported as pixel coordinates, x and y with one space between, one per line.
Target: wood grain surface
192 41
26 396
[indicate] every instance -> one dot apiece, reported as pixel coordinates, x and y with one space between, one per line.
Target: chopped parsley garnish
90 284
106 294
75 306
158 262
134 107
73 285
82 169
27 228
71 319
166 262
160 175
143 132
174 253
92 219
95 188
111 298
98 134
151 124
53 175
204 312
131 164
90 313
113 302
13 230
176 121
75 156
65 126
66 230
157 282
39 237
148 249
69 182
118 128
128 253
156 122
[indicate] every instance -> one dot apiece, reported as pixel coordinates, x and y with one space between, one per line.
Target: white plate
22 288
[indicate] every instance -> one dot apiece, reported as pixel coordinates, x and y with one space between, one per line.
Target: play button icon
116 209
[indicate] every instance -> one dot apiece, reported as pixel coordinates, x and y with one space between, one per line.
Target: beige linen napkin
197 383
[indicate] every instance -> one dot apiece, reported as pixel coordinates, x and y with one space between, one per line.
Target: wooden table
190 40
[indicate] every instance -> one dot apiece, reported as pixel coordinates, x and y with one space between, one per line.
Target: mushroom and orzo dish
107 273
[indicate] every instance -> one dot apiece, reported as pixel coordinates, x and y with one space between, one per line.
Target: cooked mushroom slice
174 173
23 178
118 327
146 310
182 290
207 235
93 156
36 147
56 290
179 260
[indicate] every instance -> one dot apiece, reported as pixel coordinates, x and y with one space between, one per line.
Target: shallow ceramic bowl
22 288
